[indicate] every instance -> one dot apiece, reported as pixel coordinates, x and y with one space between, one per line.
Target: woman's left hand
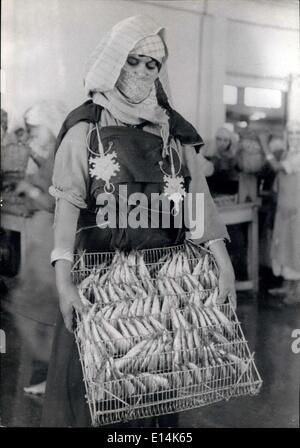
227 286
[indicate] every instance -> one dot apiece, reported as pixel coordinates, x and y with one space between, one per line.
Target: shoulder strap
88 112
183 130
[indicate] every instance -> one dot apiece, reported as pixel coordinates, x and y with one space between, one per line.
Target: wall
45 44
260 51
261 46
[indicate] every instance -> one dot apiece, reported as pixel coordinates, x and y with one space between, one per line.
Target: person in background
14 155
267 175
34 300
222 155
266 182
285 249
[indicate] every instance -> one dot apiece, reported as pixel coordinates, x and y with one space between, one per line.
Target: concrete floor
268 330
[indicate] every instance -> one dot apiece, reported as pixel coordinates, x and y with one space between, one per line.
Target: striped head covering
151 46
138 35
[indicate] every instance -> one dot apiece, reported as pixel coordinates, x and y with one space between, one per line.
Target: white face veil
137 86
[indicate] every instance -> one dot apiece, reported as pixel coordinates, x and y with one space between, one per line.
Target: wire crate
161 352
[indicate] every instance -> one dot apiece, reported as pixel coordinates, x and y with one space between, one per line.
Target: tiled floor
268 331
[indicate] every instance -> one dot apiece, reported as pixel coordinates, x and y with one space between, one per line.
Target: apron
138 154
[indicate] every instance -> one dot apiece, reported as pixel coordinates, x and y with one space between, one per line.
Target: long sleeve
214 228
41 180
70 174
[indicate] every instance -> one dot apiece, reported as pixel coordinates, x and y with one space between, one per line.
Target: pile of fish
151 327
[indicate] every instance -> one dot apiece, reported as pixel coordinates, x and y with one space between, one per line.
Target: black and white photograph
150 216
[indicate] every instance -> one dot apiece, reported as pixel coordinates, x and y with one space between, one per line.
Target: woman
225 150
129 119
285 248
34 300
224 161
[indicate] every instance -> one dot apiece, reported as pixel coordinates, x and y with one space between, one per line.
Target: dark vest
139 155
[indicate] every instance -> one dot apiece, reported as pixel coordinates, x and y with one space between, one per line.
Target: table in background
246 212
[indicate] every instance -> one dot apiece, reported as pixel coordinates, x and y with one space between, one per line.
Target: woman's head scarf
49 116
224 132
138 33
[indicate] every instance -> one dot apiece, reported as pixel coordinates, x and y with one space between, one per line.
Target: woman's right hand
68 301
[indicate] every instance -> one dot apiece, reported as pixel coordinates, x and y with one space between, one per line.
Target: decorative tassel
174 184
164 132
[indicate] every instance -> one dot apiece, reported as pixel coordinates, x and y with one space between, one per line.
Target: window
268 98
230 95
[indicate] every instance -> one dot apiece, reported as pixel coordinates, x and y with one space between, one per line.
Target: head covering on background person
222 150
43 121
226 142
48 114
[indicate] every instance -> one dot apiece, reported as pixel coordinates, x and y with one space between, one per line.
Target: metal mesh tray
164 379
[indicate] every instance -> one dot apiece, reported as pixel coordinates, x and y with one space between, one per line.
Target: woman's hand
64 240
226 273
227 286
69 301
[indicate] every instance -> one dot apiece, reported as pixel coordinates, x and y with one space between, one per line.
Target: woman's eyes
132 61
151 65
